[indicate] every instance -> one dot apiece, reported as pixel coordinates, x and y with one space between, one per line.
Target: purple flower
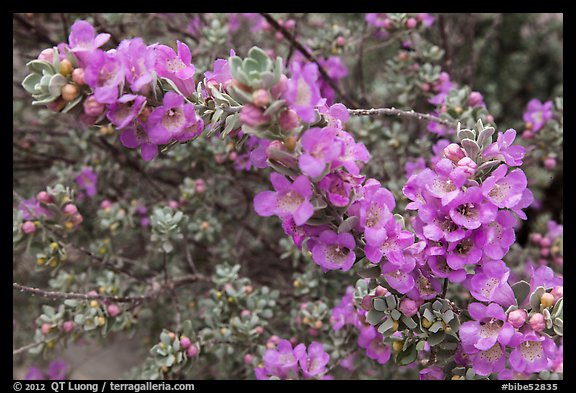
134 137
334 251
505 191
320 147
336 115
427 19
374 213
470 211
437 223
351 153
431 374
344 313
338 185
83 38
337 70
32 210
57 370
395 241
281 362
139 61
303 93
314 361
489 326
399 277
414 166
533 353
465 251
490 284
289 199
543 277
425 286
221 73
176 67
444 182
87 180
537 114
104 73
499 235
491 360
125 110
34 374
441 269
174 121
503 150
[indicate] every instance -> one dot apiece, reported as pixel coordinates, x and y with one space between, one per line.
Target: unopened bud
547 300
454 152
517 318
538 322
28 227
69 92
468 165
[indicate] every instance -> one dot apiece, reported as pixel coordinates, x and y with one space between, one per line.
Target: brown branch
30 27
309 56
400 113
27 347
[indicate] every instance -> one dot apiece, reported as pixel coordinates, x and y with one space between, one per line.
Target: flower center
531 350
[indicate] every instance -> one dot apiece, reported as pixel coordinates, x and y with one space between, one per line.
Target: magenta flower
425 286
490 284
320 147
464 252
334 251
174 121
491 360
489 326
34 374
87 180
289 199
57 370
503 150
338 186
176 67
351 154
139 61
437 224
498 235
533 353
336 115
303 93
344 313
221 73
373 342
104 73
444 182
83 39
440 268
314 361
537 114
505 191
426 19
281 362
134 137
374 214
125 110
395 241
431 374
399 277
32 210
470 211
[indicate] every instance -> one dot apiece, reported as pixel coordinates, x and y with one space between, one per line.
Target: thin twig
309 56
400 113
27 347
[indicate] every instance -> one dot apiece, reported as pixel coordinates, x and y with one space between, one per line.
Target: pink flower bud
380 291
44 197
408 307
544 252
70 209
290 24
28 227
550 163
278 36
517 318
340 41
425 87
113 310
228 287
271 54
559 261
475 99
289 120
259 330
68 326
293 340
274 339
261 98
454 152
47 55
233 156
185 342
192 351
489 119
280 86
78 76
92 107
253 116
312 332
105 204
537 322
367 302
468 165
411 23
173 204
77 219
527 135
245 313
536 238
46 328
199 186
545 242
248 358
387 24
557 292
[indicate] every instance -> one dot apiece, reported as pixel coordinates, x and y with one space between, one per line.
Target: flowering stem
270 19
444 288
400 113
